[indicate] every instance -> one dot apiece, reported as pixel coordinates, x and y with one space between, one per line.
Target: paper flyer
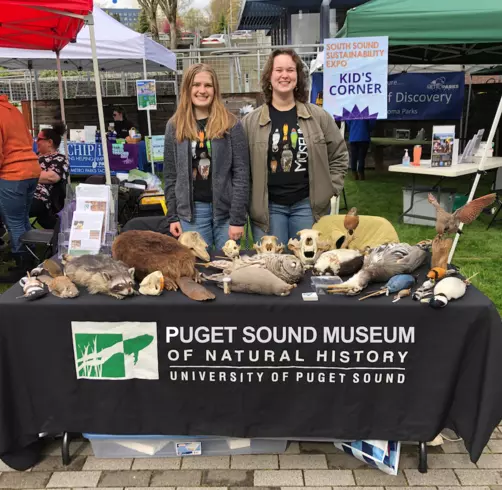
86 232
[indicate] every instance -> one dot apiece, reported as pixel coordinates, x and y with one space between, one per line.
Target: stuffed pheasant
449 222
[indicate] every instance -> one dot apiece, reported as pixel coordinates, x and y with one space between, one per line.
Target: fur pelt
149 251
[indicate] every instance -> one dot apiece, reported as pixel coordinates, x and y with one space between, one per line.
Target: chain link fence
238 69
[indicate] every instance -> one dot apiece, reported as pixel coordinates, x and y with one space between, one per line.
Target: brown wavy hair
301 90
220 119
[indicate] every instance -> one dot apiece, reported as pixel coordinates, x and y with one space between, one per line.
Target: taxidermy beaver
149 251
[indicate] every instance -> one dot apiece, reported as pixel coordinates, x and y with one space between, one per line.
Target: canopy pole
33 132
481 166
61 102
468 109
104 144
149 122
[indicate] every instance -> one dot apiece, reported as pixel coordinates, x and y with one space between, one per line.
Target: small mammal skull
152 285
231 249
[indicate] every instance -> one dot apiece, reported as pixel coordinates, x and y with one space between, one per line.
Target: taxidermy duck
450 222
383 262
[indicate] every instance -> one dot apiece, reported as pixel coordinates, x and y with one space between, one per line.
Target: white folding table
457 170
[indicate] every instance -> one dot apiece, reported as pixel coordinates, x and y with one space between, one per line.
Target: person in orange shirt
19 173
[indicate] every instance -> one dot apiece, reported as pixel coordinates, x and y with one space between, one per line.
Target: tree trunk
173 34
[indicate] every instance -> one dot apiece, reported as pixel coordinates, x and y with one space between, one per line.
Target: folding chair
43 237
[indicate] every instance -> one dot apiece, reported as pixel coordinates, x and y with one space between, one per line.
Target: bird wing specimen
470 211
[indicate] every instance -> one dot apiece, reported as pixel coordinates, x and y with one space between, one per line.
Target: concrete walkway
318 466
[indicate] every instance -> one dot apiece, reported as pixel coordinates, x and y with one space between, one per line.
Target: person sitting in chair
49 194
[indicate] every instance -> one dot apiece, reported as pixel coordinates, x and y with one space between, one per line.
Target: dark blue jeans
286 221
213 233
15 203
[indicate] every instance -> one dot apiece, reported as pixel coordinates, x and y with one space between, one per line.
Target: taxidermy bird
350 223
394 285
383 262
450 222
351 220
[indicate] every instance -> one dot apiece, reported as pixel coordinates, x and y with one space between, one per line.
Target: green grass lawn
479 250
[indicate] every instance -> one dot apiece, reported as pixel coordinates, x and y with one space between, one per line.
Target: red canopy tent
51 25
41 24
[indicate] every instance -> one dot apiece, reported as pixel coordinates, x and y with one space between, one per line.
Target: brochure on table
91 219
443 146
86 232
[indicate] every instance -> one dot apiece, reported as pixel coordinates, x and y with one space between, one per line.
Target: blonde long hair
220 119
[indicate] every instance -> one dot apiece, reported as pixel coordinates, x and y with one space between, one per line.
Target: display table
457 170
341 369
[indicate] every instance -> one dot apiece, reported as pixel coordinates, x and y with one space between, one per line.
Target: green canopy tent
432 31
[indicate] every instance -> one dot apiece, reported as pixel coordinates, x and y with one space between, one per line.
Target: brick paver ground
304 466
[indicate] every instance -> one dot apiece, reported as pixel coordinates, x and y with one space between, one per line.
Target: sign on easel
146 91
355 77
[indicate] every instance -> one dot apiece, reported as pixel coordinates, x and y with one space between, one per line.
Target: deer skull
269 245
231 249
308 248
194 241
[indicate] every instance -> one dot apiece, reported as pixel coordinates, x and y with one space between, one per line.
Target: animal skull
194 241
269 245
153 284
231 249
309 247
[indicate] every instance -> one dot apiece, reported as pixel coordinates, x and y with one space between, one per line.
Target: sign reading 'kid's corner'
355 77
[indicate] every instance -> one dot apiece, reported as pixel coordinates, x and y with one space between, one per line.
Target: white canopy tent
117 48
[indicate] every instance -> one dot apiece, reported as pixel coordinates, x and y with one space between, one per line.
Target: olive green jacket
328 159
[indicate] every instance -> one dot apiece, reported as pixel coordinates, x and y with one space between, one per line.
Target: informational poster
355 77
146 91
155 148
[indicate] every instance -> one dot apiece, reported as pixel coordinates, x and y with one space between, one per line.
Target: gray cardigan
230 176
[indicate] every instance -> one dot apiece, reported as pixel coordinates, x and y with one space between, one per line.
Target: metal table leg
422 457
65 448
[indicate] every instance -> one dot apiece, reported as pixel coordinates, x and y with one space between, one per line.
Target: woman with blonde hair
206 163
298 156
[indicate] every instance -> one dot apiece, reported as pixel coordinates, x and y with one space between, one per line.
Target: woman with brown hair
206 163
299 158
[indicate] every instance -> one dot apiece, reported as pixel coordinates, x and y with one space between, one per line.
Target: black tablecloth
443 370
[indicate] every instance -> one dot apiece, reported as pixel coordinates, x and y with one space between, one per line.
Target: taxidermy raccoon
100 274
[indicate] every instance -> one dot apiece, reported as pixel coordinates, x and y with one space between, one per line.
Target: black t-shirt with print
288 179
201 165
